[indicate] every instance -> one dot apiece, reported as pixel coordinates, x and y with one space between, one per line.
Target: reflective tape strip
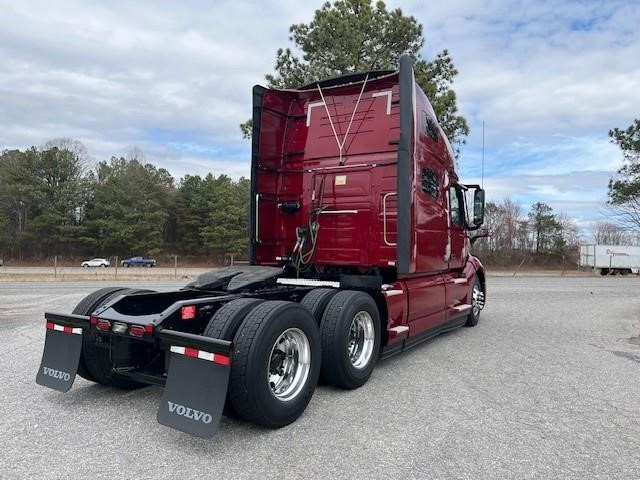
201 354
463 307
308 282
62 328
391 293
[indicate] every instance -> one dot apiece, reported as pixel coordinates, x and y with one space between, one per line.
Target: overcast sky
549 79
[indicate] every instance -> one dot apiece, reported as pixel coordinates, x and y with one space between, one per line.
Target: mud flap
62 347
195 391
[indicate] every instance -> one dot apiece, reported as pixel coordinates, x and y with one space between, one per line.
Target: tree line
53 203
541 235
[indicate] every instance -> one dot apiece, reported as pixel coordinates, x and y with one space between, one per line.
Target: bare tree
74 146
626 215
512 217
136 154
570 230
607 233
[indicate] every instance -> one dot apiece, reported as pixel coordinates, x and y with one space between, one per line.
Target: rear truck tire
350 336
275 363
224 324
476 297
317 300
604 271
94 362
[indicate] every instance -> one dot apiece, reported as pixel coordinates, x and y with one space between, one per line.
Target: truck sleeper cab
359 249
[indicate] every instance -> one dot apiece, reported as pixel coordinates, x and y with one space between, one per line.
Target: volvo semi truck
359 249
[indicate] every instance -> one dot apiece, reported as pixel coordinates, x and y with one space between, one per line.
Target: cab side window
430 182
430 127
455 205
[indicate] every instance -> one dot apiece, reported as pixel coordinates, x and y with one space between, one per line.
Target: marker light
104 325
188 312
137 330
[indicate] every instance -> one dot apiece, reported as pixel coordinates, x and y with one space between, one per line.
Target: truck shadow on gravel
628 355
144 402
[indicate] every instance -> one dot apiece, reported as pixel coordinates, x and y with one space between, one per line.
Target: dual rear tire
281 347
275 363
350 336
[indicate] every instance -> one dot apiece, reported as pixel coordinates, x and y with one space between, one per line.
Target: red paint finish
301 162
426 303
397 301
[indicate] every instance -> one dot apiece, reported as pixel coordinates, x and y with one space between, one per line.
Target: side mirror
478 208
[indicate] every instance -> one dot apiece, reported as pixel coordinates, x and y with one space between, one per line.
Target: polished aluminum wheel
289 364
477 300
361 339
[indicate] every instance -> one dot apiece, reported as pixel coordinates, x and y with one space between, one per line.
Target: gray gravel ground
547 386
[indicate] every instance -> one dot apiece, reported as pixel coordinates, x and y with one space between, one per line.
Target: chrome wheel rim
361 340
289 364
477 300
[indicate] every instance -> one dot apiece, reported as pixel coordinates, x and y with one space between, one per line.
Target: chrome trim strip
384 219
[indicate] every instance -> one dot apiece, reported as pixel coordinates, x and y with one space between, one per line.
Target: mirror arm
472 228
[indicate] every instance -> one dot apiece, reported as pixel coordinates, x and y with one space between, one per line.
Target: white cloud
548 78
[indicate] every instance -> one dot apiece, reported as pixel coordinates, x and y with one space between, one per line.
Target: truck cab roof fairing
347 79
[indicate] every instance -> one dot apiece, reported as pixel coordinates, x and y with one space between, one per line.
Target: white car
96 262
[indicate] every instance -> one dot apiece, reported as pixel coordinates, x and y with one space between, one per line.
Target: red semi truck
359 249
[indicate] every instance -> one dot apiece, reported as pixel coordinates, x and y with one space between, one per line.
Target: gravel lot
547 386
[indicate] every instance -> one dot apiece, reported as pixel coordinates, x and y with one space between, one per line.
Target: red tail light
188 312
104 325
148 328
93 320
137 330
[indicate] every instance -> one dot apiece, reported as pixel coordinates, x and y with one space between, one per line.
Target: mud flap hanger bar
197 381
171 338
68 319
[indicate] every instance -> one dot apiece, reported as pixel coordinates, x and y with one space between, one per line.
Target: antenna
482 177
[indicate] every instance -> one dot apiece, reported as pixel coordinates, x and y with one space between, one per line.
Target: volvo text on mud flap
196 388
63 344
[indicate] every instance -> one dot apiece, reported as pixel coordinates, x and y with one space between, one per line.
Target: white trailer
611 259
